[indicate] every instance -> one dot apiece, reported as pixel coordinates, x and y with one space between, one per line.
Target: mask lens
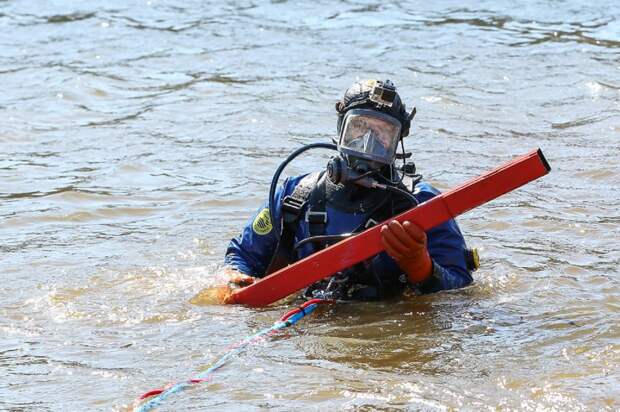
370 135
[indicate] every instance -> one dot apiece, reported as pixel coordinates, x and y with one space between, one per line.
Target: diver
360 187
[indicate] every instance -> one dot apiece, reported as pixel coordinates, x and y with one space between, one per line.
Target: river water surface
138 137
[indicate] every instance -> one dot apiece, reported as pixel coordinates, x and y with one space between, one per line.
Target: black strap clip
291 208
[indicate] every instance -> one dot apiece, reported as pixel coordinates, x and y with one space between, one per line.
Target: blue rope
280 324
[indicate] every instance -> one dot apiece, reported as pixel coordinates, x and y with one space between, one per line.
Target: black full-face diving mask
371 122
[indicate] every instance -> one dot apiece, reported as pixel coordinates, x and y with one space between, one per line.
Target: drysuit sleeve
447 249
250 253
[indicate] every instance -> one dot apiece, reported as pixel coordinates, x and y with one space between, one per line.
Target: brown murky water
137 138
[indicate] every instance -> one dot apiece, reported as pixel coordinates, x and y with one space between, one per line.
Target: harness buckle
316 217
292 207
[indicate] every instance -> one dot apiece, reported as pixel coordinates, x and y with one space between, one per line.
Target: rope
157 396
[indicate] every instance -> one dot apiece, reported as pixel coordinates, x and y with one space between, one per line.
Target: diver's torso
351 211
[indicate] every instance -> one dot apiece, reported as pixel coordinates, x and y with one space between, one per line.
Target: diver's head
372 120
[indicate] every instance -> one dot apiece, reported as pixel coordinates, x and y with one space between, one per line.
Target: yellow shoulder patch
262 223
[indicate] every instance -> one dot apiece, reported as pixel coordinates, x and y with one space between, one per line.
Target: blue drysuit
251 252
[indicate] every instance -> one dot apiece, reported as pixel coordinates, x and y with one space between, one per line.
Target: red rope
302 307
286 316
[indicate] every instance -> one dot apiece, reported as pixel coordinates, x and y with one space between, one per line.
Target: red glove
406 244
222 294
240 280
237 280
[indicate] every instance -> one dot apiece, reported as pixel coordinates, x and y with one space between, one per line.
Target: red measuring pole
427 215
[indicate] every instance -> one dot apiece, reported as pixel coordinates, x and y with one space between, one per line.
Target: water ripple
137 139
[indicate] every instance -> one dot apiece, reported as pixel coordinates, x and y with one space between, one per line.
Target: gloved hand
406 244
240 280
236 280
222 294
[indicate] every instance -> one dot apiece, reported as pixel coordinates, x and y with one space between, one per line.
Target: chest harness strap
295 207
308 202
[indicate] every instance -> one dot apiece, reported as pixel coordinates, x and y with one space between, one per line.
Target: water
137 138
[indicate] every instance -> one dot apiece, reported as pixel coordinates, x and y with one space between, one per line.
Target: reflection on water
137 139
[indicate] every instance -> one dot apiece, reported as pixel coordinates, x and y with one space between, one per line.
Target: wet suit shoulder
251 251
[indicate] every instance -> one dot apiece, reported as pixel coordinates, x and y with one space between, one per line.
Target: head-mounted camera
383 93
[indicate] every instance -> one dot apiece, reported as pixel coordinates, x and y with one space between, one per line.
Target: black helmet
375 95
